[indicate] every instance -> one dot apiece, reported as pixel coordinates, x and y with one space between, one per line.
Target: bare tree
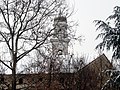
56 69
25 28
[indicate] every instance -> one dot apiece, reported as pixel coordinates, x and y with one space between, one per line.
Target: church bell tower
60 38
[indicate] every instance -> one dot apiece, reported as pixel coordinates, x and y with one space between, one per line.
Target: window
62 80
20 81
59 52
41 79
2 79
60 30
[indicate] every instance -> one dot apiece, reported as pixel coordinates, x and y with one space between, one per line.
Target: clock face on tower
60 48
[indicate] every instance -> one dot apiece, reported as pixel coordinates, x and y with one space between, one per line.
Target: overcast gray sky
85 12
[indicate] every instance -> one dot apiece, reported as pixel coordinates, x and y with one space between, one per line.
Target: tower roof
60 18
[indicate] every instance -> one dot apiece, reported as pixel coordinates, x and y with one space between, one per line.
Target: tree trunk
14 74
50 77
13 79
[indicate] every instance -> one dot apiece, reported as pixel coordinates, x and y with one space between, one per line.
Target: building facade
90 77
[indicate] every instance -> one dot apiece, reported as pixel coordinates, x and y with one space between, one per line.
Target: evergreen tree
110 33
